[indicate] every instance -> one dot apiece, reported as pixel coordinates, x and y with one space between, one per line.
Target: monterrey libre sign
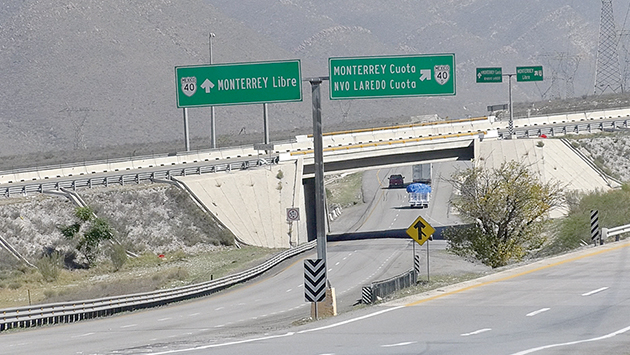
238 83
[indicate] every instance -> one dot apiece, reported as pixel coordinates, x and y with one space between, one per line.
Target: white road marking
82 335
537 312
289 290
334 325
399 344
595 291
194 314
224 344
163 319
476 332
337 263
604 337
129 326
218 309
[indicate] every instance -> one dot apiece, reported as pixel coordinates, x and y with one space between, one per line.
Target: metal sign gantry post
495 75
320 194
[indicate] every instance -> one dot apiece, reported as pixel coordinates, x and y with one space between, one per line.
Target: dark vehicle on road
396 180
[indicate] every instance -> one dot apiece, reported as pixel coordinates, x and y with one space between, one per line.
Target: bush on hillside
575 229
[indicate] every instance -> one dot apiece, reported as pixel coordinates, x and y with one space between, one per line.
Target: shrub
118 256
49 266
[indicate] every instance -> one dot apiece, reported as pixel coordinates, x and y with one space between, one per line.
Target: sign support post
186 132
495 75
320 194
511 125
266 123
428 279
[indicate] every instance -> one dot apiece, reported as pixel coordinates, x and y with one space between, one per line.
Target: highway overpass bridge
267 191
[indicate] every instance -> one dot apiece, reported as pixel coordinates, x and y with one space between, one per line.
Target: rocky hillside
82 77
155 218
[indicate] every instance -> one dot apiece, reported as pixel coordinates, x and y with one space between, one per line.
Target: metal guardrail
381 289
67 312
615 232
122 177
564 128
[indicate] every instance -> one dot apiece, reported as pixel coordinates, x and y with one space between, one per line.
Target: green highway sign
392 76
238 83
489 75
529 73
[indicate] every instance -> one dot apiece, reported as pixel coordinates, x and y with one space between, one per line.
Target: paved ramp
553 161
252 203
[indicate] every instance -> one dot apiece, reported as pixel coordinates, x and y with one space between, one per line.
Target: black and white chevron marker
314 280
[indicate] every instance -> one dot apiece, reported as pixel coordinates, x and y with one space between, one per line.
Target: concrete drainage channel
67 312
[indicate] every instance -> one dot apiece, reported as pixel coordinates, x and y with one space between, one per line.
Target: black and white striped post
595 233
366 295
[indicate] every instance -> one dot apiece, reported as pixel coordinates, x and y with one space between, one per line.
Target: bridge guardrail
615 232
66 312
124 176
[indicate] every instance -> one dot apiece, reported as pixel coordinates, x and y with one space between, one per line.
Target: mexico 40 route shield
238 83
392 76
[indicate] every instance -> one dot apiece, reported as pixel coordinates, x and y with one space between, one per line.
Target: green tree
88 234
507 206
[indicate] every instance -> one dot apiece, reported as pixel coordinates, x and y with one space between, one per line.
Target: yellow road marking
601 251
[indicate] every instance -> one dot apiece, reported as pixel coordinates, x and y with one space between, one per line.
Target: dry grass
149 219
146 273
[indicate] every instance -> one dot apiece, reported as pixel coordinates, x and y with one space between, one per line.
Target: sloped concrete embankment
253 203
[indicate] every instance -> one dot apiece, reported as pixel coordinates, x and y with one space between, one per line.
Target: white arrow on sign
207 85
425 74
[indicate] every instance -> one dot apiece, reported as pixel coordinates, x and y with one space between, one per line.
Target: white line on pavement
399 344
83 335
224 344
607 336
537 312
595 291
476 332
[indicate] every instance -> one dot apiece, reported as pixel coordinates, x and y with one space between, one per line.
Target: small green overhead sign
529 73
489 75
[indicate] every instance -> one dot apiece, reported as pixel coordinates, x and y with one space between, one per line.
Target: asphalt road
575 304
386 209
270 304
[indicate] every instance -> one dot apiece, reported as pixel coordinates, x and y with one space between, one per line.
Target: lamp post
213 135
